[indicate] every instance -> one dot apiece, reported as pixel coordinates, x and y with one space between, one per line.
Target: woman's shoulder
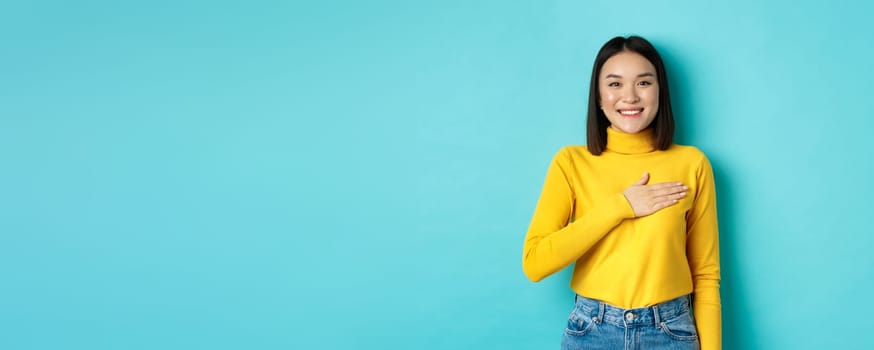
688 152
571 152
569 156
685 149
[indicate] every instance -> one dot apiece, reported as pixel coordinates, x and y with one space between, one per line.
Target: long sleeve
551 243
702 252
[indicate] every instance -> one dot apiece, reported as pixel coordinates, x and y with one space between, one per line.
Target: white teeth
632 112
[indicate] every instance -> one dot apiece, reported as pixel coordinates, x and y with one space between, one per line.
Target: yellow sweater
583 217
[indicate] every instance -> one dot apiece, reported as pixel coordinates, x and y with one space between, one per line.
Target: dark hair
662 125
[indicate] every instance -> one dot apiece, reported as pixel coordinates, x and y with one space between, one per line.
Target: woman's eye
645 83
613 84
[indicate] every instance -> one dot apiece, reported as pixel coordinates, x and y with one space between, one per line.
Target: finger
664 204
677 196
670 199
660 190
643 179
668 191
663 185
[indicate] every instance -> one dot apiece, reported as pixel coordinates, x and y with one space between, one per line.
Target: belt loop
656 316
601 311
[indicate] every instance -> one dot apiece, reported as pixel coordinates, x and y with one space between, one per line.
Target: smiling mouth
631 113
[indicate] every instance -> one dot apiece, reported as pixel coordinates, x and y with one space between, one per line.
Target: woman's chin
628 129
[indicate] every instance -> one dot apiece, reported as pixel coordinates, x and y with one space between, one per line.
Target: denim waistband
652 315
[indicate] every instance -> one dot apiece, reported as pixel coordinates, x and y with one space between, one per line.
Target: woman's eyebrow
641 75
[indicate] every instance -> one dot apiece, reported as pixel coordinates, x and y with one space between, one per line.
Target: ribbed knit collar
623 143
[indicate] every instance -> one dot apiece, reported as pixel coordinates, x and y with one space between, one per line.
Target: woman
646 247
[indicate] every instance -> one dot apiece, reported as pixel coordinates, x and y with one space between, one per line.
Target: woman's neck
620 142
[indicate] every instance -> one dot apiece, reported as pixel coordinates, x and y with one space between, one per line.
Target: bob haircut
597 123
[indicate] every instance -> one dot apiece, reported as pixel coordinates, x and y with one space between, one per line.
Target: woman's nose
629 95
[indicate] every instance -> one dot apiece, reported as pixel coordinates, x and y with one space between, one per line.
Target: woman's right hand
647 199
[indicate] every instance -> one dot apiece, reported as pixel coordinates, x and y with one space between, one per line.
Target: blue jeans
595 325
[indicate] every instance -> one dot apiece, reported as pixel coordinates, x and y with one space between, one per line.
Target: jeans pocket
578 323
681 327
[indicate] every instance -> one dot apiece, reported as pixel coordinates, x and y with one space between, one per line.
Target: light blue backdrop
360 175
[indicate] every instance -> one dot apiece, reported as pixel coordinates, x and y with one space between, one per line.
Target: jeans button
629 316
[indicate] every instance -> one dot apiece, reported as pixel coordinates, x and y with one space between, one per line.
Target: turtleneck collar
623 143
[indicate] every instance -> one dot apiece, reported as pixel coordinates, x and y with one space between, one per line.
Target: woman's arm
702 251
551 244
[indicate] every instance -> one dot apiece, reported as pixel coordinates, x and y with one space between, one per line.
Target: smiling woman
629 92
646 254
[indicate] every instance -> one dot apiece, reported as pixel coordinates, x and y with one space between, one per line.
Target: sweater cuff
623 207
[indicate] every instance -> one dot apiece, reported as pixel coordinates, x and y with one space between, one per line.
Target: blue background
332 175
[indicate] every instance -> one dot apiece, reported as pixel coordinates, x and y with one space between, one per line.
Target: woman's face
629 92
